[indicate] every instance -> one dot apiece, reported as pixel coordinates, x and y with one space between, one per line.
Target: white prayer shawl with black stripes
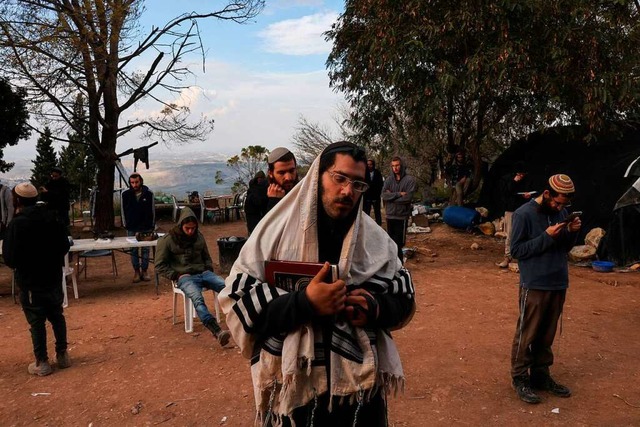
291 369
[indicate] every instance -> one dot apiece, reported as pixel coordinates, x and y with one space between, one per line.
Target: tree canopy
473 74
45 160
246 164
58 49
13 119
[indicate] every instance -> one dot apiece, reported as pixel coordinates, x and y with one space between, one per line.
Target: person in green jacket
183 257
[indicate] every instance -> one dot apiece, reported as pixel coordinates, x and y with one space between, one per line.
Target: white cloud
302 36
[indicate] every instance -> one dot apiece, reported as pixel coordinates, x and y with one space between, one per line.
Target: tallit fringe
391 384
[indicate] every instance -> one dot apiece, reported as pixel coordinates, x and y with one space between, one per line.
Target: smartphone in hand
571 217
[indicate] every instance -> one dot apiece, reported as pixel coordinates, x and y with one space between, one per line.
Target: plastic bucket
460 217
229 249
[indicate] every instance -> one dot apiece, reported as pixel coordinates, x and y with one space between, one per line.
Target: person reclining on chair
183 257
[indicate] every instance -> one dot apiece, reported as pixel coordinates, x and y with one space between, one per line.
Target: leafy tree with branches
45 161
250 160
58 49
13 119
477 74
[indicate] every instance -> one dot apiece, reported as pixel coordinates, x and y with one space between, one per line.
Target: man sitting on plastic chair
182 255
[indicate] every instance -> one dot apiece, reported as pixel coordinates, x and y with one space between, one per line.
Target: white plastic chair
189 310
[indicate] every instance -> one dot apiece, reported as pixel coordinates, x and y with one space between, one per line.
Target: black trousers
366 207
372 413
397 230
39 307
531 351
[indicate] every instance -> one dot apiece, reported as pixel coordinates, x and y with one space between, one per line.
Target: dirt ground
132 367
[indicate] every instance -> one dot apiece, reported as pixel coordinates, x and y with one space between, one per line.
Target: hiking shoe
144 276
136 277
40 368
546 383
505 262
223 338
63 359
524 392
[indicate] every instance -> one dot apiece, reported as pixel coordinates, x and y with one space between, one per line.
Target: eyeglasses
359 186
560 204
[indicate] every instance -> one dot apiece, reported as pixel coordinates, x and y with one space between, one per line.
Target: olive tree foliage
246 164
14 119
477 74
58 49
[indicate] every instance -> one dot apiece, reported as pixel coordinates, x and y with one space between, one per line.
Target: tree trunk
105 219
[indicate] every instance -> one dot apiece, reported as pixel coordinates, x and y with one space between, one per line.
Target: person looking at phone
540 240
322 354
283 175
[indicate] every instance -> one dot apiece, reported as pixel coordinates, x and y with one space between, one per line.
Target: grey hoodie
396 205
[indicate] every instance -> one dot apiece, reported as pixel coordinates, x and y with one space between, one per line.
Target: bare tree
58 49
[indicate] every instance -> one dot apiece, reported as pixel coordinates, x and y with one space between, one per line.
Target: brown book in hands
294 275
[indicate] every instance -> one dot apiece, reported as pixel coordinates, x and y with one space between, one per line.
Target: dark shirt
509 190
139 212
375 185
35 246
57 195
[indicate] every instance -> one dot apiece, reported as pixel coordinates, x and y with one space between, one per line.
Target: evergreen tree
77 158
45 159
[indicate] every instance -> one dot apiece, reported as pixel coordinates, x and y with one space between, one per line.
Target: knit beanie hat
562 184
277 154
26 190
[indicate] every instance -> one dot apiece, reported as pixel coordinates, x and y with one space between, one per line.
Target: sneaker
63 359
136 277
223 338
40 368
144 276
505 262
523 390
546 383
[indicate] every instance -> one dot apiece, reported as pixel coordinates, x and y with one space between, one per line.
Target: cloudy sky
259 77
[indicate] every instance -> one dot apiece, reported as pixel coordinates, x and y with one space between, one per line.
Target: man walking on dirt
397 193
540 240
35 246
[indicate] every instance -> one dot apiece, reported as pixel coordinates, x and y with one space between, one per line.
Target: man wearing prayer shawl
321 354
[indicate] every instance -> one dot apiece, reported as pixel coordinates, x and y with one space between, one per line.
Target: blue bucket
460 217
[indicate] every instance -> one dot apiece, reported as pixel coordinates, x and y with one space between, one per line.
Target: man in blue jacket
540 240
138 209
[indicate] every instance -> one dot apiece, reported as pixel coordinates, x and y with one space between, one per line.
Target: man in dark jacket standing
35 246
255 205
540 240
139 212
183 257
372 195
56 194
515 188
397 193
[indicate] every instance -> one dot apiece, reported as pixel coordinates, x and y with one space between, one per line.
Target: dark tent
597 168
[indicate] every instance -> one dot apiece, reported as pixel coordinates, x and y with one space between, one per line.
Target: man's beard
546 207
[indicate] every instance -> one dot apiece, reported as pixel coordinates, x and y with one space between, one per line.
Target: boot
63 359
221 336
544 382
523 390
40 368
136 276
144 276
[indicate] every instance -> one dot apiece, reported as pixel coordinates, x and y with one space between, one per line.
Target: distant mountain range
173 173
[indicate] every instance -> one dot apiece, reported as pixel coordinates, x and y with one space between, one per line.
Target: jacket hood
403 169
185 213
